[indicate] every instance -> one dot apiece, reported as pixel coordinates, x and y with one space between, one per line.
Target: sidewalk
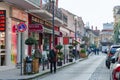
14 73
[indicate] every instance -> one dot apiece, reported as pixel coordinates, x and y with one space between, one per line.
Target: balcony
25 4
46 13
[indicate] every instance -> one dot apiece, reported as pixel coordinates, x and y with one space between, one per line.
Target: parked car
110 54
115 66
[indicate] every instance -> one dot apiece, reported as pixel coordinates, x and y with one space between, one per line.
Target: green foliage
31 41
82 51
60 56
82 45
86 39
74 43
70 47
59 47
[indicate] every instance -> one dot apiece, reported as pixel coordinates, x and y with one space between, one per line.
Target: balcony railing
58 12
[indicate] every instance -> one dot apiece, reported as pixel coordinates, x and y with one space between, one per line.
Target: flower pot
70 60
83 55
59 63
35 64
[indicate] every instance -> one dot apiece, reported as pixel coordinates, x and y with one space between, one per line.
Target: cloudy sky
96 12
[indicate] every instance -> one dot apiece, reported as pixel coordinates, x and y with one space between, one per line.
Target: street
92 68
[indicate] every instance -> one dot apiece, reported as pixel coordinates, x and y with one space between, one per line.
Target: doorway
2 49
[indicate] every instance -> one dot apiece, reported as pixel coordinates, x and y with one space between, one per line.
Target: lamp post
75 18
53 22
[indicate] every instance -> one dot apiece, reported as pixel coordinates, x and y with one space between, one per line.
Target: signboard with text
35 28
2 20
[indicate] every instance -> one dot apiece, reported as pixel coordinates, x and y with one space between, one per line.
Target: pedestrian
38 54
97 51
52 59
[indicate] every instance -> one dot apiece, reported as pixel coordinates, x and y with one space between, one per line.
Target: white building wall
8 36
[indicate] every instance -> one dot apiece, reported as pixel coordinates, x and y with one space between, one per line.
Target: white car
115 66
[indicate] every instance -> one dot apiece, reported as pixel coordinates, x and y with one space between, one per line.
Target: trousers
53 66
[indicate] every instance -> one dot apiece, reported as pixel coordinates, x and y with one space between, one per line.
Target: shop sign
35 28
65 40
34 19
57 33
2 20
46 30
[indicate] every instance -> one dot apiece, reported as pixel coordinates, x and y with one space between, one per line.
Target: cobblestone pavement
101 73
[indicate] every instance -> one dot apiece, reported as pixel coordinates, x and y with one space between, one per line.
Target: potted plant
35 57
71 56
83 53
75 43
59 54
30 41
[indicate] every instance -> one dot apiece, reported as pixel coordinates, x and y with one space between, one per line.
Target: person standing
52 59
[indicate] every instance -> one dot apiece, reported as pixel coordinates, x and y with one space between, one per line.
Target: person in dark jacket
52 59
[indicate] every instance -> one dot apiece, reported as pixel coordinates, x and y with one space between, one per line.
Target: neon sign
2 20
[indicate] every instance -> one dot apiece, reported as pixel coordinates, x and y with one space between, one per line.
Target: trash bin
28 65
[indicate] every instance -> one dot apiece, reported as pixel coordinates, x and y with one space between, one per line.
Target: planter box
59 63
83 55
70 60
35 64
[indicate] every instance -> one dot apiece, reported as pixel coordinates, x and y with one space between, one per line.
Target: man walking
52 59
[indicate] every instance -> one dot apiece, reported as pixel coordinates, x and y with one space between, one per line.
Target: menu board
2 20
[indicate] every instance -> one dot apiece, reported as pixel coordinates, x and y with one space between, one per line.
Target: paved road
90 69
101 73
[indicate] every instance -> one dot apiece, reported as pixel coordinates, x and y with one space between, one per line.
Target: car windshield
113 50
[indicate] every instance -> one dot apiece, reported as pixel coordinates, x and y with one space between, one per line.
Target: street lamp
53 1
75 18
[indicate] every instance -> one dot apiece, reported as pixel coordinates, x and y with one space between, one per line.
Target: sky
96 12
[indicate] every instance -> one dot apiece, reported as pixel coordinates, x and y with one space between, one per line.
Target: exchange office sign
2 20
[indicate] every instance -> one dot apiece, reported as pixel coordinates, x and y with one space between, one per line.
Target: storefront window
46 43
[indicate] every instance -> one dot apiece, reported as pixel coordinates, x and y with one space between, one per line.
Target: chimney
92 27
56 3
96 27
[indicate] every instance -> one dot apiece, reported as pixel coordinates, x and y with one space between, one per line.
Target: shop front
43 34
16 34
2 37
9 36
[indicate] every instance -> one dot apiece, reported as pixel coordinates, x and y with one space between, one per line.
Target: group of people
52 57
94 50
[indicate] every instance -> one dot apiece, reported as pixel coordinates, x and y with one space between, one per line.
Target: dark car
110 54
